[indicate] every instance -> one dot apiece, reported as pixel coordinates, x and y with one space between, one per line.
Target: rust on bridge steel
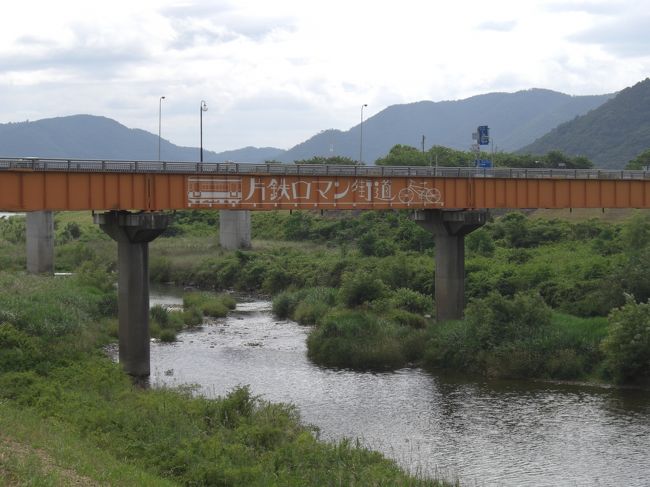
22 190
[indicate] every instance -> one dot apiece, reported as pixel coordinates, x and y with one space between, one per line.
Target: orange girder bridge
56 184
134 195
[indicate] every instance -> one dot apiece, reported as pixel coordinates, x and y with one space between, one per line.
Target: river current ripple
486 433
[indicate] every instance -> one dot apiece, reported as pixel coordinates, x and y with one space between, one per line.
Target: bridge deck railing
174 167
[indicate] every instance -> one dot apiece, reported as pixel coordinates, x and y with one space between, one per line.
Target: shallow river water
492 433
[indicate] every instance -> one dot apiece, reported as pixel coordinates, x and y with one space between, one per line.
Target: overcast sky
274 72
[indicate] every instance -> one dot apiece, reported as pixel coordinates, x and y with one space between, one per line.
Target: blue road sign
484 163
483 134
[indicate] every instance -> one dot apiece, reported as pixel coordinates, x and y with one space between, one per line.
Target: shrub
18 351
159 314
72 255
627 345
565 364
310 313
277 278
18 386
71 231
359 288
480 242
192 316
370 244
406 318
412 301
284 304
167 335
209 304
13 229
496 319
357 340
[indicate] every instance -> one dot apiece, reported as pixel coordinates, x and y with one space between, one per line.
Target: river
491 433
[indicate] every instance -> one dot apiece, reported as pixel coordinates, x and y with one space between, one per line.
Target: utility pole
159 122
204 108
361 135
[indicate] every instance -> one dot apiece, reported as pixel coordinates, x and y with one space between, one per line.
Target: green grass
234 440
165 324
612 215
213 305
69 415
356 340
41 451
567 349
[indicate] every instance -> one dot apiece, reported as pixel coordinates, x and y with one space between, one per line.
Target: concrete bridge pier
449 229
235 229
133 232
40 242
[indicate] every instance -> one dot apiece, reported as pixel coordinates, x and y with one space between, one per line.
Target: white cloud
275 73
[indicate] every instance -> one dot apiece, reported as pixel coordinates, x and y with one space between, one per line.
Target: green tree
480 242
496 319
446 157
640 162
557 159
359 288
403 155
627 346
635 238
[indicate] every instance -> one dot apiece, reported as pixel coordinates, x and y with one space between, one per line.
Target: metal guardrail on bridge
173 167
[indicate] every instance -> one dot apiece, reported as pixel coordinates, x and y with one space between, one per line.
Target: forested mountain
91 137
515 119
610 135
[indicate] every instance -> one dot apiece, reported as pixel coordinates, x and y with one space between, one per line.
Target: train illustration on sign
206 191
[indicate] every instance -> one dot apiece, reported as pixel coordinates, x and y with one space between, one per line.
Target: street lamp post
361 135
204 108
159 122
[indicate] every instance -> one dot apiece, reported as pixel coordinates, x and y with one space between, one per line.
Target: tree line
405 155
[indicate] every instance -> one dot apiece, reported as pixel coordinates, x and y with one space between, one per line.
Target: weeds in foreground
50 375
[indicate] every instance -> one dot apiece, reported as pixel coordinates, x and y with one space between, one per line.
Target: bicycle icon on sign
419 193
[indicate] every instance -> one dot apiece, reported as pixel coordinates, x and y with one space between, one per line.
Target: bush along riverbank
571 276
54 375
360 268
165 323
518 337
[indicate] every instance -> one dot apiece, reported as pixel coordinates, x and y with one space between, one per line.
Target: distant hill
611 135
515 119
92 137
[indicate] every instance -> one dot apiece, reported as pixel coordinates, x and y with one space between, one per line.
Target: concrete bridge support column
133 232
40 242
449 229
235 229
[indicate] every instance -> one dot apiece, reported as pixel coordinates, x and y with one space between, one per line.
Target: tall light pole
204 108
361 135
159 122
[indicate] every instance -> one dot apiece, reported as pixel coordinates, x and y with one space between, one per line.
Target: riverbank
54 375
367 291
481 431
365 284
